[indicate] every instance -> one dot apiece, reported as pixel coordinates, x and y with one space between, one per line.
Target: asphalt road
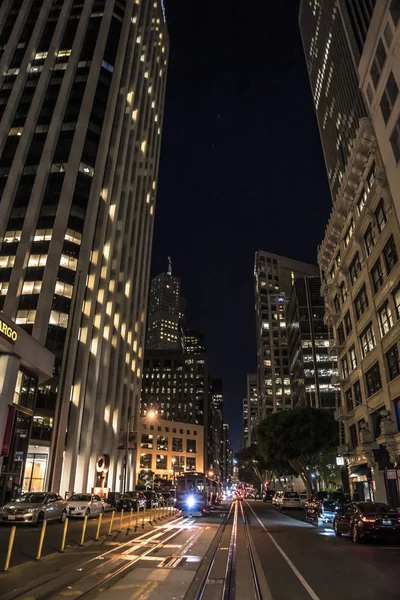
301 561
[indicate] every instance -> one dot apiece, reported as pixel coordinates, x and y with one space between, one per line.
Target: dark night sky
241 169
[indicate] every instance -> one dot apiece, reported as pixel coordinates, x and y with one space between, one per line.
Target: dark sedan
363 520
131 500
152 500
323 506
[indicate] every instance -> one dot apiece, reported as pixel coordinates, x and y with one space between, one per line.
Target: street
206 557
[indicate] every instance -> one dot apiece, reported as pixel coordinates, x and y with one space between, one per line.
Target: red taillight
368 519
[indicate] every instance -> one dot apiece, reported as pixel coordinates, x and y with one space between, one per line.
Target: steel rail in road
229 583
177 525
256 584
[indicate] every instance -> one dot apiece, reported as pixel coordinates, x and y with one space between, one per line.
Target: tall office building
333 34
274 276
251 413
311 361
81 107
165 317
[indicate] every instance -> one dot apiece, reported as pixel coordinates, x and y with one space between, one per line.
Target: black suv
130 500
323 506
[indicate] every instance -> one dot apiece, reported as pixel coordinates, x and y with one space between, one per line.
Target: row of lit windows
27 317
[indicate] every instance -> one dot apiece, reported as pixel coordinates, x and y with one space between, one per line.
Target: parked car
152 499
268 495
303 498
275 498
363 520
131 500
287 500
169 498
323 506
35 507
81 505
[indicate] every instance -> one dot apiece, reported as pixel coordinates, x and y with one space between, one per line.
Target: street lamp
150 415
173 470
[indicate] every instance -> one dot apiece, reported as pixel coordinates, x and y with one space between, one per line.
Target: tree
299 436
255 466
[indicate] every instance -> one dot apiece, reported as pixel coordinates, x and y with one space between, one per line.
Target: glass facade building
82 90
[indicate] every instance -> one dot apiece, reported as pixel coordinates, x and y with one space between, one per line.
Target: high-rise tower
81 107
164 330
333 34
274 277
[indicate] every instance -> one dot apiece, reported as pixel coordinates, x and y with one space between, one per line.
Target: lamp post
173 471
151 415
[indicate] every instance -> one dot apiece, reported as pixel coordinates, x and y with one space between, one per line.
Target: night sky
241 169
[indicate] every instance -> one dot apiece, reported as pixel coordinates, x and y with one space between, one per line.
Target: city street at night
257 553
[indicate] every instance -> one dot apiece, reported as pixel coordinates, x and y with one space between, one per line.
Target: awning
359 471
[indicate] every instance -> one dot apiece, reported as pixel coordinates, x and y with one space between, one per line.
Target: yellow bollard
111 523
10 547
130 518
64 535
98 526
120 519
144 512
137 517
41 540
85 519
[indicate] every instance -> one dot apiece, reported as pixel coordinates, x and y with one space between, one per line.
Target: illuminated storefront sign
8 333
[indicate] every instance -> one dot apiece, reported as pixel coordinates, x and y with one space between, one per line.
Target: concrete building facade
81 107
361 284
170 448
274 276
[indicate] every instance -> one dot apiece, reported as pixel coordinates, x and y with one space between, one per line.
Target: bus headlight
190 501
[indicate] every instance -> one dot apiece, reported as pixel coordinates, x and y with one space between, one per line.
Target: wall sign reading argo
8 333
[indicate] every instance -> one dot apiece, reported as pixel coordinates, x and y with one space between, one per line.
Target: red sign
8 431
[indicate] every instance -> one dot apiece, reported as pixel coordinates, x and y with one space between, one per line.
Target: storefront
361 483
24 364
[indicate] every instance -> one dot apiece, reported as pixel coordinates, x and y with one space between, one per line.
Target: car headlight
190 501
80 507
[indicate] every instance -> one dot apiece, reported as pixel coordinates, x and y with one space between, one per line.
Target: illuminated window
68 262
58 318
31 287
25 317
6 262
12 236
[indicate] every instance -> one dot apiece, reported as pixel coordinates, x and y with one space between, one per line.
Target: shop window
35 473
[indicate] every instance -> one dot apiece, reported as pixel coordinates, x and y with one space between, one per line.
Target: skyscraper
165 313
274 276
81 109
311 362
251 412
333 34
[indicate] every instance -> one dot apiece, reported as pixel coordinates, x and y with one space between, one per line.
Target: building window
336 303
381 215
353 440
369 239
347 323
394 10
161 461
357 393
395 141
396 299
145 461
349 400
390 254
385 318
378 63
191 446
361 302
353 358
345 367
343 292
377 275
162 442
389 97
392 359
337 259
355 268
373 380
367 340
340 334
177 444
147 441
349 233
191 463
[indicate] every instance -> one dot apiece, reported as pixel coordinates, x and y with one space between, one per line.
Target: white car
81 505
287 500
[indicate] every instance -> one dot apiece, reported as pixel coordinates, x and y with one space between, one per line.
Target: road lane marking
299 576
